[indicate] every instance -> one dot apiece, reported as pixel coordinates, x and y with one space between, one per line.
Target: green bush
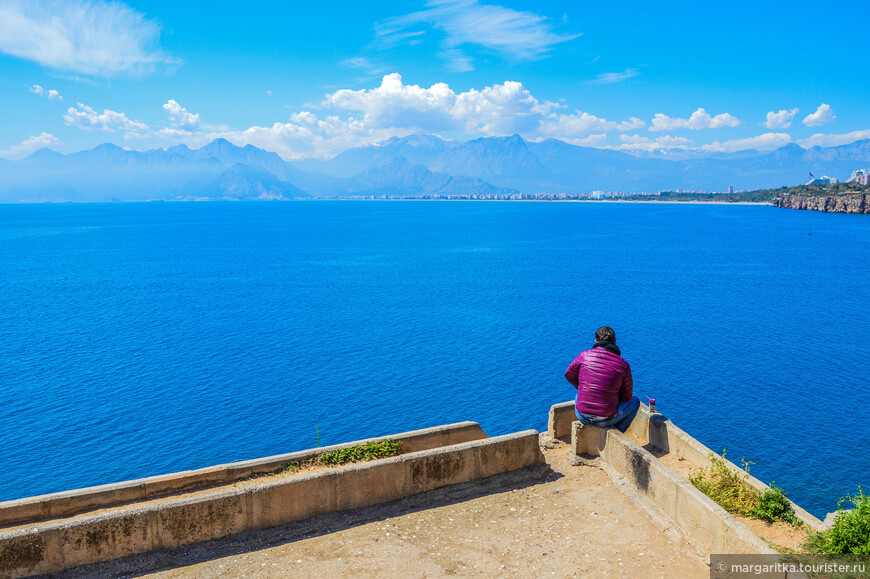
850 533
727 488
362 452
772 506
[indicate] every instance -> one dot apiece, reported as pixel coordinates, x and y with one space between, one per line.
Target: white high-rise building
860 177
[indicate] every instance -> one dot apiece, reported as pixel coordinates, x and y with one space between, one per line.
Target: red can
652 405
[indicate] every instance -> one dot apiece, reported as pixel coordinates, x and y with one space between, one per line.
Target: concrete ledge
587 440
68 503
663 435
560 419
706 525
53 546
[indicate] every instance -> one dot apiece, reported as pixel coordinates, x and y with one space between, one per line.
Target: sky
311 79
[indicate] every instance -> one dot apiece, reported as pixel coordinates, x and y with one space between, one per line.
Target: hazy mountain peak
43 154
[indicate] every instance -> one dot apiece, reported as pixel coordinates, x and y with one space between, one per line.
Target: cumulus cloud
51 95
396 109
495 110
84 117
518 35
765 142
834 140
700 119
640 143
781 119
614 77
179 118
31 144
90 37
599 141
582 123
823 116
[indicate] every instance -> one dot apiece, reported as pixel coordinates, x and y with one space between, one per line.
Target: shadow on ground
146 563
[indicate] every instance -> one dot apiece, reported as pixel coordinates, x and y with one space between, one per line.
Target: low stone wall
662 434
560 419
169 523
706 525
64 504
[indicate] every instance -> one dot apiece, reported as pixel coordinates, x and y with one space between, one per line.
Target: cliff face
858 203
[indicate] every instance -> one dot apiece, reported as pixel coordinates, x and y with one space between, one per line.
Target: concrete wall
560 419
660 433
663 435
706 525
168 523
70 502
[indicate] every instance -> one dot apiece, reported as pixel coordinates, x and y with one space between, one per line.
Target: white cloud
495 110
84 117
640 143
515 34
31 144
90 37
781 119
179 118
700 119
823 116
51 95
582 123
834 140
614 77
599 141
765 142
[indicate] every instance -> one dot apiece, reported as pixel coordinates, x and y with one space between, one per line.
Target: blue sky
314 78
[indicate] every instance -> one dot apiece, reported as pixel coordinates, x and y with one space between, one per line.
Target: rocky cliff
856 203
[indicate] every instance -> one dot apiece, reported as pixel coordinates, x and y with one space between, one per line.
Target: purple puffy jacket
602 379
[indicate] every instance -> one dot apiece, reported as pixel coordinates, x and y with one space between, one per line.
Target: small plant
850 533
317 435
291 468
362 452
727 488
773 505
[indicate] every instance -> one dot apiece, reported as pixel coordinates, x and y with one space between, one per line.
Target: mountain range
417 165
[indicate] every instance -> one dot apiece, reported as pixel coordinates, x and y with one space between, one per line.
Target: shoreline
671 202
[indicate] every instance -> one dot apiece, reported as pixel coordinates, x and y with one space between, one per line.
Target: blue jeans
625 413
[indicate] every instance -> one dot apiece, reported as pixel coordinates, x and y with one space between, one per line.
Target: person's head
605 334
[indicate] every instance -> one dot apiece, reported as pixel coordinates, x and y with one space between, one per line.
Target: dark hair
605 334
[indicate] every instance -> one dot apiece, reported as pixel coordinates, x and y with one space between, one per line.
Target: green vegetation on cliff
757 195
730 490
815 190
850 533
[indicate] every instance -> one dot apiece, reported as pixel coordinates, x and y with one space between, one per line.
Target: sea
138 339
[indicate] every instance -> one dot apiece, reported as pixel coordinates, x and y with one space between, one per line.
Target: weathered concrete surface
76 501
663 436
706 525
572 522
587 440
560 419
201 516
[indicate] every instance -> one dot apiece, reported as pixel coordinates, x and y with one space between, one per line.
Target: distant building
860 177
730 190
823 180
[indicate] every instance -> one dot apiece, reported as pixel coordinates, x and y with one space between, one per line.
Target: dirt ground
570 521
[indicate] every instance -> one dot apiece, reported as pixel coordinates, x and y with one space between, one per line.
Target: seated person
603 382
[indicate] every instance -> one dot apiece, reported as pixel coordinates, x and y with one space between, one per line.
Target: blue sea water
139 339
